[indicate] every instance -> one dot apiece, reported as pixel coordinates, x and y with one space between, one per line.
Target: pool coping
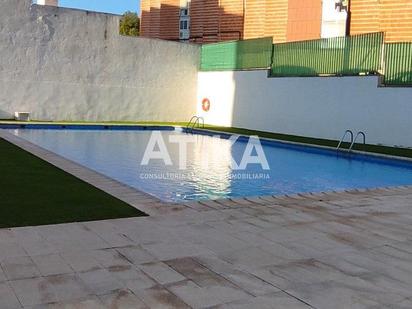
153 206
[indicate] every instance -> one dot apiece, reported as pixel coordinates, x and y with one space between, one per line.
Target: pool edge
153 206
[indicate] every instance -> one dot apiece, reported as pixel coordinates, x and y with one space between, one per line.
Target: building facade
206 21
48 2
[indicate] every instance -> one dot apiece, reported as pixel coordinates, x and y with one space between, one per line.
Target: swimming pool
209 175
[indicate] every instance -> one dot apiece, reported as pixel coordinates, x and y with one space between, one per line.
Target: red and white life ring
206 104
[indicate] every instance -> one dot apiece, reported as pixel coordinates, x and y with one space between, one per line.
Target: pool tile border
153 206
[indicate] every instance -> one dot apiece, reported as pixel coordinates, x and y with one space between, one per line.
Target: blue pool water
293 169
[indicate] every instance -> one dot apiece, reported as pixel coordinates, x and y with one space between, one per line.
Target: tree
130 24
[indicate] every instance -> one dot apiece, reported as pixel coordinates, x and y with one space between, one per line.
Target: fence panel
360 54
237 55
398 64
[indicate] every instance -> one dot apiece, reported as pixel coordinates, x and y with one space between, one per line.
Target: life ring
206 104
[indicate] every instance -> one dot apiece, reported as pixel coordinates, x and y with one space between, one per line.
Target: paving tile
51 264
81 261
220 242
270 275
251 257
140 283
7 236
136 255
90 302
110 258
168 251
68 287
160 298
35 291
200 297
100 281
11 250
72 237
109 233
8 299
270 301
393 256
2 275
330 294
122 299
125 273
199 274
19 268
250 283
39 248
161 273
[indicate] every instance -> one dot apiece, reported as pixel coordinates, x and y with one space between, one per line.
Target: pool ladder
353 139
195 120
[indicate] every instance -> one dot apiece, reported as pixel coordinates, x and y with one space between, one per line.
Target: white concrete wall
63 64
313 107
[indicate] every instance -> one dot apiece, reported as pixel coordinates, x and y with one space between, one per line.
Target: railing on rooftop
398 64
352 55
237 55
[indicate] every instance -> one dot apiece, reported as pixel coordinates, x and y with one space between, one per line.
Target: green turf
34 192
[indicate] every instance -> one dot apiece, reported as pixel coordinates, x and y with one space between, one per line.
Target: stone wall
65 64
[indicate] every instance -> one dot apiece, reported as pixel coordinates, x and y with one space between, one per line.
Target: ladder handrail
343 138
360 133
190 122
197 121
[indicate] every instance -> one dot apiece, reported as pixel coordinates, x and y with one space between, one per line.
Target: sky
107 6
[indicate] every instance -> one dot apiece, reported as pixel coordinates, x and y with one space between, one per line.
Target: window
184 25
184 12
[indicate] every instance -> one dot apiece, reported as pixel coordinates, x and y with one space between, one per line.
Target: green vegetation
34 192
130 24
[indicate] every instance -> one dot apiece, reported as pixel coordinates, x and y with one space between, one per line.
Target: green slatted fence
398 64
237 55
359 54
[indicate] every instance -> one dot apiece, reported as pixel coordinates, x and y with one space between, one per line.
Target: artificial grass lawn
34 192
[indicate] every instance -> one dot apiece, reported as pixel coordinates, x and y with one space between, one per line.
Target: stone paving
337 250
330 250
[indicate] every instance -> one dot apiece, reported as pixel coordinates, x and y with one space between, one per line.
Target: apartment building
48 2
206 21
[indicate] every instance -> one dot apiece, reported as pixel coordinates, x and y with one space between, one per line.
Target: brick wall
145 17
266 18
394 17
231 19
364 16
276 19
304 20
284 20
169 19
